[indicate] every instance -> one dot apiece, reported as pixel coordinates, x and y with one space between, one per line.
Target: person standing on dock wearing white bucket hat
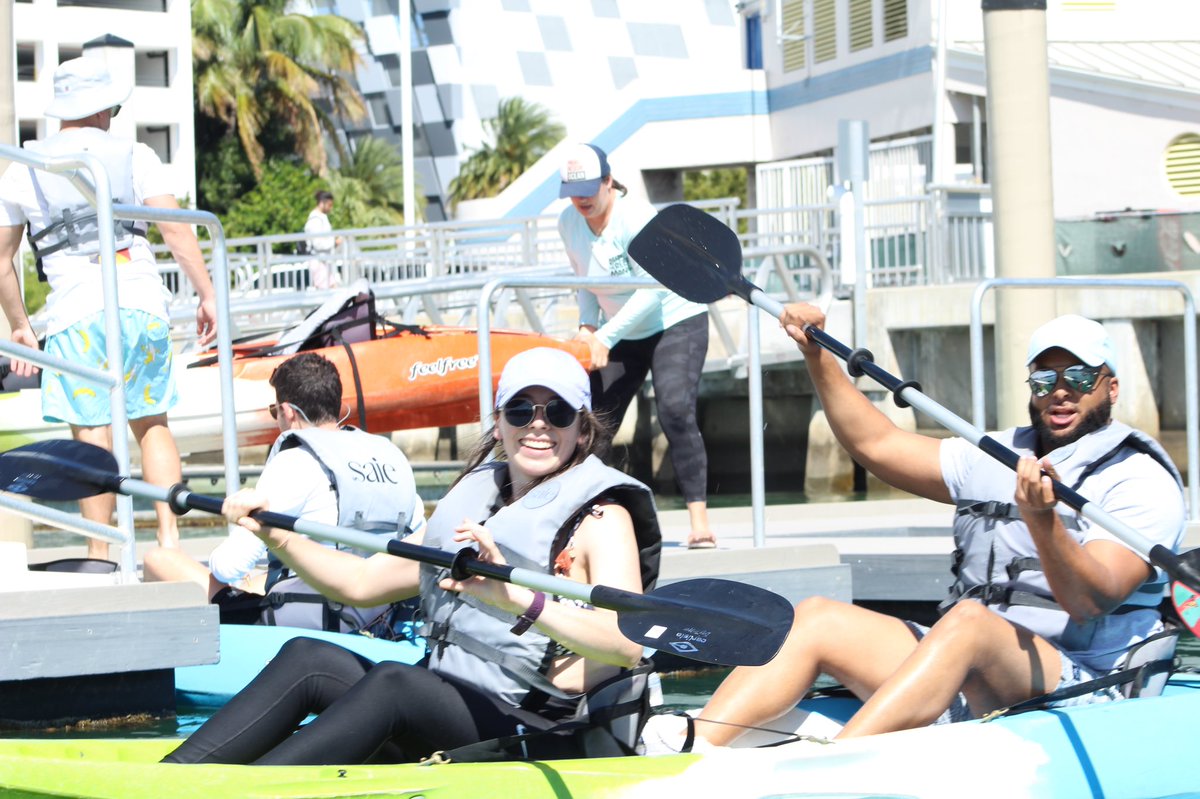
65 237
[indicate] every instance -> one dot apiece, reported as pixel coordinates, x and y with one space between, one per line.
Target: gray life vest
74 227
471 640
996 561
376 492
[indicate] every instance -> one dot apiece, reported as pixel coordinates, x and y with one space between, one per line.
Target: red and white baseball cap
583 168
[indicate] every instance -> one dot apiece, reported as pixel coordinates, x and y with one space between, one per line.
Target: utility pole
1018 114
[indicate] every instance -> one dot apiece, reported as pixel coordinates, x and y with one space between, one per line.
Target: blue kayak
245 649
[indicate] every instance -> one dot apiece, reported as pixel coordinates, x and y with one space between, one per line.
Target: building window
1183 164
152 68
754 42
795 46
67 53
824 30
26 61
895 19
862 25
157 138
27 130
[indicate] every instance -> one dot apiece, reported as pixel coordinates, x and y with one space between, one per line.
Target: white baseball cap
557 370
1084 338
84 86
584 168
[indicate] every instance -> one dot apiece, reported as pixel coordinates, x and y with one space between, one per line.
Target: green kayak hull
1135 749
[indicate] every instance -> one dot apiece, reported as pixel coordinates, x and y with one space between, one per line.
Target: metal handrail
1189 354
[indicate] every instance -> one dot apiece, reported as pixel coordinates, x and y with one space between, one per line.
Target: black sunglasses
1078 378
116 109
520 412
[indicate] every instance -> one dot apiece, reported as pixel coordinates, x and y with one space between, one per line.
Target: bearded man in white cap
64 233
1044 603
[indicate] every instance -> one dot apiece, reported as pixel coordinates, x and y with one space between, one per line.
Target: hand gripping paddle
698 257
713 621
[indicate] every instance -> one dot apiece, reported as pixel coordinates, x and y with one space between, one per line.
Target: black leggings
675 358
381 713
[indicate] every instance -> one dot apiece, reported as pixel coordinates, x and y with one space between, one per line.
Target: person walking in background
317 471
64 234
647 331
321 267
1042 598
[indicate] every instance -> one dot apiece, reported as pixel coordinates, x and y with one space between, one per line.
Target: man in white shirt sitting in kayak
316 471
1043 599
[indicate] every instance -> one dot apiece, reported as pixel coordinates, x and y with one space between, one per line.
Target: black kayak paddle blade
692 253
58 470
710 620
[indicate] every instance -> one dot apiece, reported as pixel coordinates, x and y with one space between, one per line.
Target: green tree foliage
278 204
259 70
369 186
717 184
520 134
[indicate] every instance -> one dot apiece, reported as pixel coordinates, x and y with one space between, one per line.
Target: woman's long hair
594 439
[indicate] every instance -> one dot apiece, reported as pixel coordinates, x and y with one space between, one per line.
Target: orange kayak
407 379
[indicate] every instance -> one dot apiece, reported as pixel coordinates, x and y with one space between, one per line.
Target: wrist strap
526 619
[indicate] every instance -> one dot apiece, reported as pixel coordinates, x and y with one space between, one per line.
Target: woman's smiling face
538 449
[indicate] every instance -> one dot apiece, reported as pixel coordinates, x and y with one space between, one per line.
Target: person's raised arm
185 248
901 459
341 576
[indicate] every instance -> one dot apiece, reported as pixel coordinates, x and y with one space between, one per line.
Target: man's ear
1114 389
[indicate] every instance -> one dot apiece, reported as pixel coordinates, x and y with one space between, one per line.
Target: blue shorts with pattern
149 379
1070 675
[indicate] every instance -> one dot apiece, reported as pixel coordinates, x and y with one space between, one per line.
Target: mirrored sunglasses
1078 378
557 412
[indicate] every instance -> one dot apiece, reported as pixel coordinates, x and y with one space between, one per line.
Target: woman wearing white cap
648 331
504 659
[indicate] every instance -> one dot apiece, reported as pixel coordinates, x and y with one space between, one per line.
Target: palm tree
369 185
258 65
521 133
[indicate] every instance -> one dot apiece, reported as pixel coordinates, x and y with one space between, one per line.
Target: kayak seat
76 566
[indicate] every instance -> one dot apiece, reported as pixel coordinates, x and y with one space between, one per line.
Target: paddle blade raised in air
692 253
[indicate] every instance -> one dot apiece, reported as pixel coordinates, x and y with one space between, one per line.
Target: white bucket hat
84 86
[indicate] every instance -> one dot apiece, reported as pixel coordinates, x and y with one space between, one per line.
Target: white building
148 41
667 86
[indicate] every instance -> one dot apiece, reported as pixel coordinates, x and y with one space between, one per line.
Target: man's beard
1096 419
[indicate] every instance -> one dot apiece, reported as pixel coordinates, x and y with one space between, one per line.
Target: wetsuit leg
307 676
395 713
677 363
